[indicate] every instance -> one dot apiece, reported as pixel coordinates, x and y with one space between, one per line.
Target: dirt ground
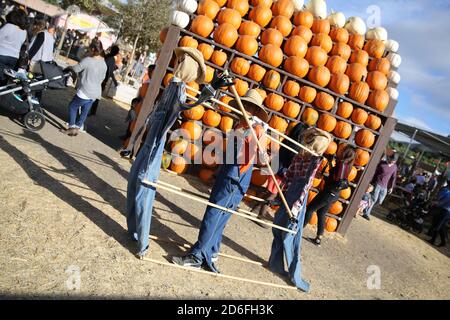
62 203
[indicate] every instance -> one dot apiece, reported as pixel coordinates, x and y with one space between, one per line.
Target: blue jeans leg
377 197
85 106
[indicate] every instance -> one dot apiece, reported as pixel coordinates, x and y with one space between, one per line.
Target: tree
89 6
142 22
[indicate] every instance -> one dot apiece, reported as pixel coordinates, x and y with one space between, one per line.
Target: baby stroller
19 96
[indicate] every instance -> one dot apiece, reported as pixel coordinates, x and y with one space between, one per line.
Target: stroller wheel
34 120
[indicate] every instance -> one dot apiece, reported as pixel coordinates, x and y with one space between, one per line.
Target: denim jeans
286 245
228 191
75 104
378 196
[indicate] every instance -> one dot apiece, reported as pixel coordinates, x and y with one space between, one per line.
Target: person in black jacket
111 65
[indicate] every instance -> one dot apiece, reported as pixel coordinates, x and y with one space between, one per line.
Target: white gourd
318 8
378 33
179 18
189 6
395 59
337 19
392 45
393 93
356 25
394 76
298 4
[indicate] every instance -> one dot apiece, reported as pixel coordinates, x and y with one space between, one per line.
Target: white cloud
417 123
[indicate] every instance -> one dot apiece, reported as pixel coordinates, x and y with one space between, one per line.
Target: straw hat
198 57
317 140
253 98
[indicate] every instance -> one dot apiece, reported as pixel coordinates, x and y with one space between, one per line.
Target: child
298 181
230 186
366 201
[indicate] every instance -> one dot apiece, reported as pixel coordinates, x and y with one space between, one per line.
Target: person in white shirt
12 36
41 46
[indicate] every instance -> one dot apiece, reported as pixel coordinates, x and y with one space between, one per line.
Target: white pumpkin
356 25
318 8
393 93
337 19
377 34
395 59
188 6
298 4
392 45
179 18
394 76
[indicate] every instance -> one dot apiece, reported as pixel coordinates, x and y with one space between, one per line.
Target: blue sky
422 28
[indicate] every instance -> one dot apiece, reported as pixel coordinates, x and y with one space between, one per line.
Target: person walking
336 181
441 216
41 46
384 182
93 71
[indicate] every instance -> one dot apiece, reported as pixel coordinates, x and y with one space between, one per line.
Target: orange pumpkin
311 196
192 130
272 79
339 83
179 146
313 221
178 165
247 45
167 79
316 182
360 56
341 49
278 124
344 110
322 40
226 124
304 18
230 16
259 178
326 122
310 116
208 8
221 3
373 122
303 32
375 48
291 88
295 46
163 34
356 72
240 6
241 87
377 80
332 148
282 24
307 94
225 99
320 76
271 55
324 101
321 26
291 109
249 28
206 175
382 65
195 113
206 50
336 64
283 8
339 35
193 85
352 175
256 72
219 57
271 36
346 193
274 101
316 56
211 118
261 14
336 208
364 138
342 130
240 66
297 66
193 151
362 157
267 3
188 41
378 99
226 34
331 224
202 25
356 41
359 116
209 75
359 91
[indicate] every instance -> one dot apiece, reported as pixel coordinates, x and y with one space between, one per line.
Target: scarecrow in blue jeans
230 186
189 66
